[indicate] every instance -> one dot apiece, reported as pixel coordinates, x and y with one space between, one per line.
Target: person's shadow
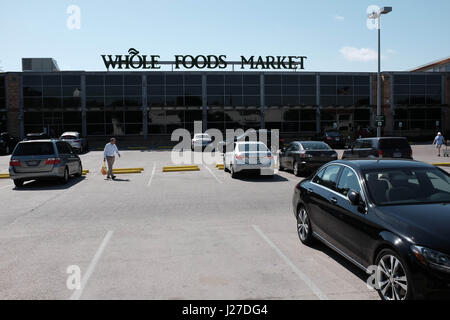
118 179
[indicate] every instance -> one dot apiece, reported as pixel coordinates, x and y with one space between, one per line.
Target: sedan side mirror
354 197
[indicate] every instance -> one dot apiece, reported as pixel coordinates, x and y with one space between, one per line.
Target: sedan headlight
433 258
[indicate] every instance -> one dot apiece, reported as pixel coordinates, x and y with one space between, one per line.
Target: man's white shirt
110 149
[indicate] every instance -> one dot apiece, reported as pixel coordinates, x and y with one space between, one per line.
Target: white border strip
212 173
90 270
151 177
315 289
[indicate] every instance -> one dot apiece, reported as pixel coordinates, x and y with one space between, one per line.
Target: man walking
110 149
439 141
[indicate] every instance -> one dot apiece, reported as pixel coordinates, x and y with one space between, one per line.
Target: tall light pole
377 15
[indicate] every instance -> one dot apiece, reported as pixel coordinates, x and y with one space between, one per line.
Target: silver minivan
43 159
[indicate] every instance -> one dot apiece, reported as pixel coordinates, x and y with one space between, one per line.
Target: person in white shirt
108 155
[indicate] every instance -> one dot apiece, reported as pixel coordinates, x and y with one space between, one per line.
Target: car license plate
338 139
397 154
33 163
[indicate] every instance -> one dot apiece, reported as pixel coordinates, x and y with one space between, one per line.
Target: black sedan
389 217
304 156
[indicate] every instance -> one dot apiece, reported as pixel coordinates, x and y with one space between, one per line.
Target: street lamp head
385 10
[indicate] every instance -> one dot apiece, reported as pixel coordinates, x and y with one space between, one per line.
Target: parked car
249 156
261 135
303 156
385 147
334 139
391 214
43 159
36 136
77 142
7 143
200 141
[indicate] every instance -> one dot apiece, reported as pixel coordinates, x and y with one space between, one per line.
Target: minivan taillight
239 157
380 153
53 161
14 163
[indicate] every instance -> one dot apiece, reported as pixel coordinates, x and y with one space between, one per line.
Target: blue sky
331 33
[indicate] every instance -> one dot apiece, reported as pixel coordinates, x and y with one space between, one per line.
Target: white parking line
315 289
212 173
151 176
90 270
8 186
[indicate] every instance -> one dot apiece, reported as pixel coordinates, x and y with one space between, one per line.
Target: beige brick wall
13 86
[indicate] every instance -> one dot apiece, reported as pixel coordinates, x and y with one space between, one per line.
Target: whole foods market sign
134 60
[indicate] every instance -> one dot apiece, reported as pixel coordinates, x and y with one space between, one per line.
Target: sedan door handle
333 200
310 190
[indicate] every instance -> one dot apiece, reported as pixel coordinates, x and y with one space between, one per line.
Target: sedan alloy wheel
391 277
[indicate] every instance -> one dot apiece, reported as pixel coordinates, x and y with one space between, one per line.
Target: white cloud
339 18
355 54
391 51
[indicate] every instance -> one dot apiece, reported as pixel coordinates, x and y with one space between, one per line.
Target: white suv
249 156
200 141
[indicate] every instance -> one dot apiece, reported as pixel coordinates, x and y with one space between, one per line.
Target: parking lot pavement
164 235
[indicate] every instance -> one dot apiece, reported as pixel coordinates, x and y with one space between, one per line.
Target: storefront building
150 104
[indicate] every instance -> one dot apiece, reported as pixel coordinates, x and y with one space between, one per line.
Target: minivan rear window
34 149
394 143
69 137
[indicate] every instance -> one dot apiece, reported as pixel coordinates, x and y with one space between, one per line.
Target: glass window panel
216 125
193 115
361 90
52 91
345 101
156 117
291 100
290 127
72 117
327 80
156 90
115 129
113 101
308 80
433 90
133 116
233 90
215 116
132 80
328 90
327 100
401 89
215 90
345 90
172 127
307 115
71 80
249 79
233 79
114 117
35 80
233 100
33 118
290 114
290 80
53 80
401 79
52 103
95 102
434 79
418 89
308 90
193 90
96 129
273 100
307 126
273 125
114 80
308 100
434 100
132 90
361 80
215 100
344 80
192 79
250 90
72 102
272 90
174 101
72 127
251 101
155 79
418 79
216 79
401 99
290 90
273 115
130 101
111 91
96 80
95 117
71 91
174 79
417 99
193 100
95 91
362 100
156 100
174 116
272 79
155 129
32 91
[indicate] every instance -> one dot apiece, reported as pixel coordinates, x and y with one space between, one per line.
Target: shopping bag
104 171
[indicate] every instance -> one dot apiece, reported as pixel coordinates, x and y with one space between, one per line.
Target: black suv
334 139
385 147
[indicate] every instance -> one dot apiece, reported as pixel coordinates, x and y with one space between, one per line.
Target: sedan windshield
408 186
315 146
